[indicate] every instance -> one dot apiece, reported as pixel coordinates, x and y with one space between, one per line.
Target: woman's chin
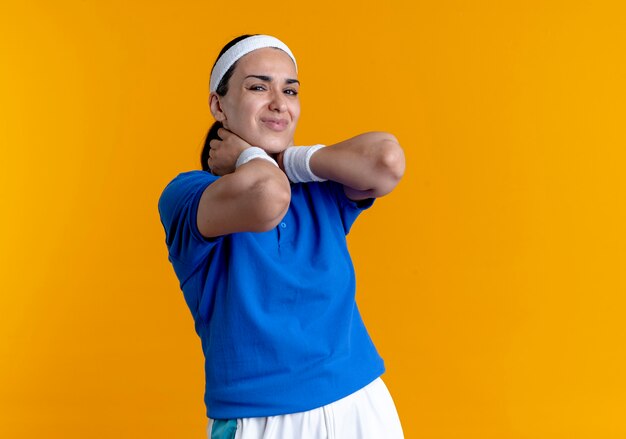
273 142
275 147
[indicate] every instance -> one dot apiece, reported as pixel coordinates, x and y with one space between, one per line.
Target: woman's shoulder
182 187
188 180
191 176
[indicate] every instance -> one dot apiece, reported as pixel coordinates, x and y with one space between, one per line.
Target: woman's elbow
391 161
272 197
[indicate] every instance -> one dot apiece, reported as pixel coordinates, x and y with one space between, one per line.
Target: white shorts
368 413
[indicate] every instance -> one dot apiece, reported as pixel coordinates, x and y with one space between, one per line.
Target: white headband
241 48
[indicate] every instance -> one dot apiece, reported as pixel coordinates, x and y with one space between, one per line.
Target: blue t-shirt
276 312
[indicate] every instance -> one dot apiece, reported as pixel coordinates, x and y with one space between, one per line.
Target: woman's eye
257 87
291 92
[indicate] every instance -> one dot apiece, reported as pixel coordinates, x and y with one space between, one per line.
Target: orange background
492 279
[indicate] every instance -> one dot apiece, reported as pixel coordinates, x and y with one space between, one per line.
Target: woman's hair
221 90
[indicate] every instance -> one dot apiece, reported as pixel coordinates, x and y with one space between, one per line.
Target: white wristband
296 163
254 152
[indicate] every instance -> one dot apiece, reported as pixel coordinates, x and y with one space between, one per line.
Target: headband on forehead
241 48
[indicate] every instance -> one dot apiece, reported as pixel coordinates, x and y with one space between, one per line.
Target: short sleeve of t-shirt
348 209
178 208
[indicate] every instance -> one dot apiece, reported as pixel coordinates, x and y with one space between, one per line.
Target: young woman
257 240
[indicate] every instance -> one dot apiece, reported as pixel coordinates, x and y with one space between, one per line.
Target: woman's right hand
253 199
224 153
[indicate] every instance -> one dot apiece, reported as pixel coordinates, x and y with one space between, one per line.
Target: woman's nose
278 102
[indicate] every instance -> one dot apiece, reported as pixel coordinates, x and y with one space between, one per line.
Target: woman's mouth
275 124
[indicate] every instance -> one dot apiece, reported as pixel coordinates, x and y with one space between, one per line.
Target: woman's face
262 104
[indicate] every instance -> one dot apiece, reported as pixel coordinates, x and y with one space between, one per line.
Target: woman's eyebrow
269 79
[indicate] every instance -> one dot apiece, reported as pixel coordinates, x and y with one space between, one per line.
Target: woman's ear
216 108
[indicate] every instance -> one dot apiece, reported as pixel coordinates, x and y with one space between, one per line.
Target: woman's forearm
370 165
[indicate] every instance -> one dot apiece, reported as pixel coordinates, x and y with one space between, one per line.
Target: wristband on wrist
296 163
254 152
